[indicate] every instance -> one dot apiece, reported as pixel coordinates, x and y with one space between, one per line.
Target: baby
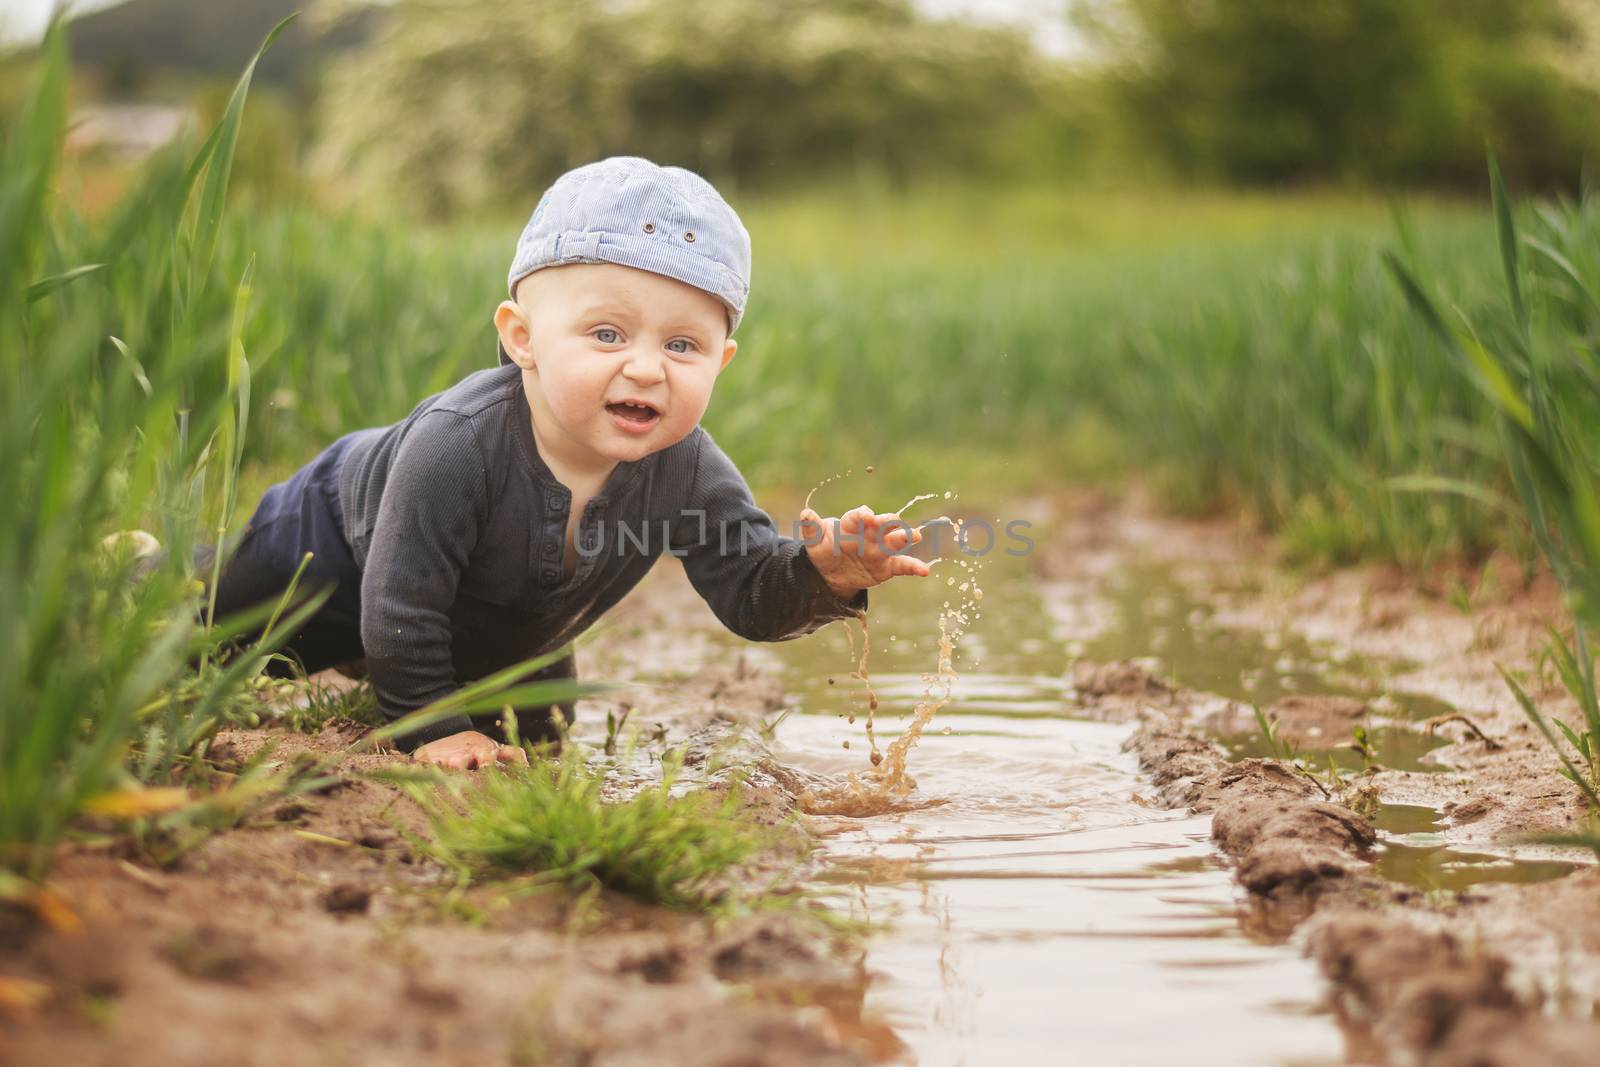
506 514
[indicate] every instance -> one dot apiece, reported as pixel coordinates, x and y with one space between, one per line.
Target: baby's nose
644 367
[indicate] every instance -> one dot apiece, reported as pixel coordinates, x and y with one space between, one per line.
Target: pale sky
25 20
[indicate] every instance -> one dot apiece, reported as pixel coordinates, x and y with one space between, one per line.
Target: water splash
888 785
825 481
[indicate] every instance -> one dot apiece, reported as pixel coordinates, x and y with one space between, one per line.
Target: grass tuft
563 819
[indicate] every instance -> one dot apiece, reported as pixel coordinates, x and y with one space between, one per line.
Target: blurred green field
1233 350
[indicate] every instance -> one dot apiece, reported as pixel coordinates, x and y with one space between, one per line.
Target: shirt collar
621 476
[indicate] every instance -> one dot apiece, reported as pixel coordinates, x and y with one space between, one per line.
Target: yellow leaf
131 803
20 995
54 911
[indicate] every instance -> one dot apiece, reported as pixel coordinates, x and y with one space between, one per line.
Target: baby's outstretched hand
860 549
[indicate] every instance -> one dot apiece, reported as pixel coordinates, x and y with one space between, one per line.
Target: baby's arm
762 585
434 504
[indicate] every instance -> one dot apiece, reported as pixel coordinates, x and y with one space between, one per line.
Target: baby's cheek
578 399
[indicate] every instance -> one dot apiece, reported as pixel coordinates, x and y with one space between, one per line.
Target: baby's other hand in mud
860 549
467 751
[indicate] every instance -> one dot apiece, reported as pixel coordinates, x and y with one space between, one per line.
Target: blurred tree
457 104
211 37
1267 91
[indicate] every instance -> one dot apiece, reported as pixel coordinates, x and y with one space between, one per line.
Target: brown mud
314 934
1421 970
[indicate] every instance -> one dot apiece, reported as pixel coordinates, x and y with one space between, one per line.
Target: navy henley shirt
459 527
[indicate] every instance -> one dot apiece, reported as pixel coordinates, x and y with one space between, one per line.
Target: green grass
558 818
120 396
1534 358
125 401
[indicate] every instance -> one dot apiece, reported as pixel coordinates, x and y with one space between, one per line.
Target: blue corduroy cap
632 212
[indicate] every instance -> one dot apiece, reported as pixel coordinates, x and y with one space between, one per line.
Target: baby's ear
728 351
511 322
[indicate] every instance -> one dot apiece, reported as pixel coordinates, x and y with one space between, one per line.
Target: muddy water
1155 617
1039 911
1414 851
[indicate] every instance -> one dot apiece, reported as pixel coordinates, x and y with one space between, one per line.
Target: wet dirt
313 934
1446 938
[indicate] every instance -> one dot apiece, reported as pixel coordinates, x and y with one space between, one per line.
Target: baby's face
625 359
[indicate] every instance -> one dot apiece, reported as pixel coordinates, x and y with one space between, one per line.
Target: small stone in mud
872 702
852 719
830 681
294 811
877 758
1471 811
378 839
658 967
214 954
225 756
869 468
431 995
347 899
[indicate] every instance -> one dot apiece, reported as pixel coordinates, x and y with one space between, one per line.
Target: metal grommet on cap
688 235
649 227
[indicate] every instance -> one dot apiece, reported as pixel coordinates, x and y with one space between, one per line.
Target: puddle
1156 619
1412 849
1038 910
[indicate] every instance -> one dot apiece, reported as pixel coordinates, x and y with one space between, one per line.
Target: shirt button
549 548
549 575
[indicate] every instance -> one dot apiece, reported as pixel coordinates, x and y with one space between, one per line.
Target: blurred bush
457 104
1367 90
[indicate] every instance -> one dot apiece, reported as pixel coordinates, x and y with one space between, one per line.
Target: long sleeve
759 583
433 510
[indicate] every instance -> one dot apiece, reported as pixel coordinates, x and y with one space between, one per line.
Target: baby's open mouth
633 415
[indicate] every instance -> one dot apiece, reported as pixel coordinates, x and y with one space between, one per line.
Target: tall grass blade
1506 228
209 221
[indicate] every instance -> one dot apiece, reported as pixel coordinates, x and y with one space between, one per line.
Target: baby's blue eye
679 341
607 336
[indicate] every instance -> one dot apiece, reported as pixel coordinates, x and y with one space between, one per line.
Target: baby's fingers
855 520
812 528
899 537
908 566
